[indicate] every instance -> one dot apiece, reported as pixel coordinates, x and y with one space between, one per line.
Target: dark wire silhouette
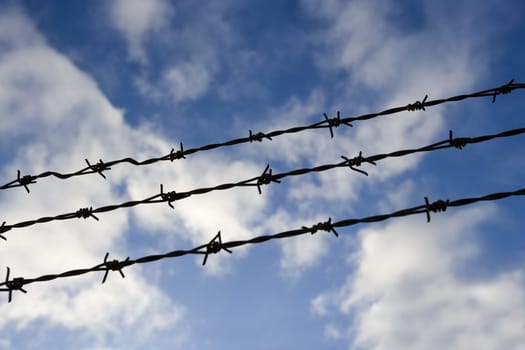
215 245
328 123
265 178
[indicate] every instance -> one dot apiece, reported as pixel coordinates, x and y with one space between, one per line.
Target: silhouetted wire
215 245
265 178
328 123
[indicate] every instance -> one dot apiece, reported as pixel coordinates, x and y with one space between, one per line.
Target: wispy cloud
407 290
366 49
64 118
403 279
137 20
198 39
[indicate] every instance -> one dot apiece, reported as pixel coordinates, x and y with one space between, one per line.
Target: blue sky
111 79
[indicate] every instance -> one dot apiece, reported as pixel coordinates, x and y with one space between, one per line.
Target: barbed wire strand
328 123
265 178
215 245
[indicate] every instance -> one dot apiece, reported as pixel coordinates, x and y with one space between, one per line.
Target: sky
129 78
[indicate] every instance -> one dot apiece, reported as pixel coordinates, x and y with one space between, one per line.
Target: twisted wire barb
113 265
265 178
327 123
216 244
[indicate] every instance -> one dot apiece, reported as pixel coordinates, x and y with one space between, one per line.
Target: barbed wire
216 245
328 123
265 178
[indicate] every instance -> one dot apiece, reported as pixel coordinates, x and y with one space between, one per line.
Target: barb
16 284
357 161
25 180
458 143
258 137
502 90
171 196
437 206
216 244
98 167
3 229
177 155
335 122
114 265
418 105
327 123
265 178
86 213
324 226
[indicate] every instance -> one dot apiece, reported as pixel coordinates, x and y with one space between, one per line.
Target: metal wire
265 178
215 245
327 123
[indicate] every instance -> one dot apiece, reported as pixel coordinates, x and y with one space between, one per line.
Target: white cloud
136 19
184 81
293 149
64 119
16 30
199 42
58 117
407 290
404 75
198 218
301 252
368 40
187 81
397 196
398 66
332 332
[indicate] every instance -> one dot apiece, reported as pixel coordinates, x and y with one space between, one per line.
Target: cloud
187 81
332 332
197 219
58 117
382 48
197 42
295 111
136 19
366 48
407 289
302 252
